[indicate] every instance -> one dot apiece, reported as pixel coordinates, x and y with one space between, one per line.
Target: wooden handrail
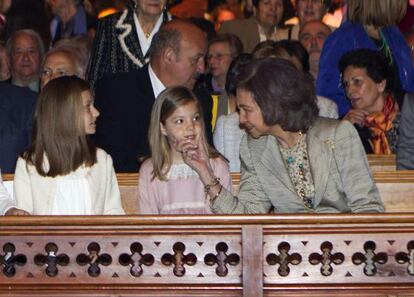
396 189
319 220
302 255
400 176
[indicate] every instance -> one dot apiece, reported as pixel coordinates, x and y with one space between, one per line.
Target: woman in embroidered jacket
291 160
375 110
122 40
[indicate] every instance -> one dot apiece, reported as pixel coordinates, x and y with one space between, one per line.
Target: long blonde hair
379 13
165 105
59 129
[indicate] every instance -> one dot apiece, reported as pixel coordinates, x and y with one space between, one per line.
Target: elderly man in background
125 99
312 35
25 49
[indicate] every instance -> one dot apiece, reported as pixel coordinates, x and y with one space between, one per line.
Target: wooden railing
273 255
396 189
382 162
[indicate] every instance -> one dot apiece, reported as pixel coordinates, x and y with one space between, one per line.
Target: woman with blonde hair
371 24
166 184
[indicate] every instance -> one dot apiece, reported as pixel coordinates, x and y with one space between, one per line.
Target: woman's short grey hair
74 56
285 95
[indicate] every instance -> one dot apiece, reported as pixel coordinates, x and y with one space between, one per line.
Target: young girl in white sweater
62 172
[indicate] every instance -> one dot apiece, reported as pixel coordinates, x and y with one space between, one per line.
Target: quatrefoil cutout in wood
326 259
52 259
136 259
370 258
94 259
179 259
222 259
407 258
9 260
283 259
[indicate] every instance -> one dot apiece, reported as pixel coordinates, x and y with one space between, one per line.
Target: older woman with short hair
62 61
370 24
292 161
375 110
122 40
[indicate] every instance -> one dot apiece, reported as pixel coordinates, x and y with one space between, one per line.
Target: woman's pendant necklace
291 151
290 160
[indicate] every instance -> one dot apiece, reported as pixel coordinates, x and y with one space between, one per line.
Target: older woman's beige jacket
341 174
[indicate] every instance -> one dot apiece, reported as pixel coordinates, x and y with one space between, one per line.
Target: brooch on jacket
331 143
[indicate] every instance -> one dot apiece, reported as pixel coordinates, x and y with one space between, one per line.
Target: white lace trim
127 27
180 171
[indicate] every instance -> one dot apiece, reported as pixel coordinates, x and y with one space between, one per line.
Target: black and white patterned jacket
116 46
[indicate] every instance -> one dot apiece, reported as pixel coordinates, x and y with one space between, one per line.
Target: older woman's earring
135 4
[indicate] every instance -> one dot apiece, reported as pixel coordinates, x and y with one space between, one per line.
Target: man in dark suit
125 99
17 105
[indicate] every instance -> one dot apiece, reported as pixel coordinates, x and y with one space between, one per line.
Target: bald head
177 53
171 34
312 35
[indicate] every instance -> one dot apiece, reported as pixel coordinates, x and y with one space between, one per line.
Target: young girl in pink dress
166 184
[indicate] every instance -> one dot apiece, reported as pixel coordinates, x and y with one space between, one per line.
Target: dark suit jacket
16 115
124 101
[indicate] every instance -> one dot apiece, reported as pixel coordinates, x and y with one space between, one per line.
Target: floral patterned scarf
379 123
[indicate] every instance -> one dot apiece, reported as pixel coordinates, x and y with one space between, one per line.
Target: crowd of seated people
276 93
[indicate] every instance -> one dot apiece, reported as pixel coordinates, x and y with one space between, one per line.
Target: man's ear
163 130
168 55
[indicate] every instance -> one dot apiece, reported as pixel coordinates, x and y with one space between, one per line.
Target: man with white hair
25 49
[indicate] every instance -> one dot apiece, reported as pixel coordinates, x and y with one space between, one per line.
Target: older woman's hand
195 156
356 116
16 212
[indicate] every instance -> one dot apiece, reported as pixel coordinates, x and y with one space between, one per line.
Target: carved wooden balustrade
273 255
